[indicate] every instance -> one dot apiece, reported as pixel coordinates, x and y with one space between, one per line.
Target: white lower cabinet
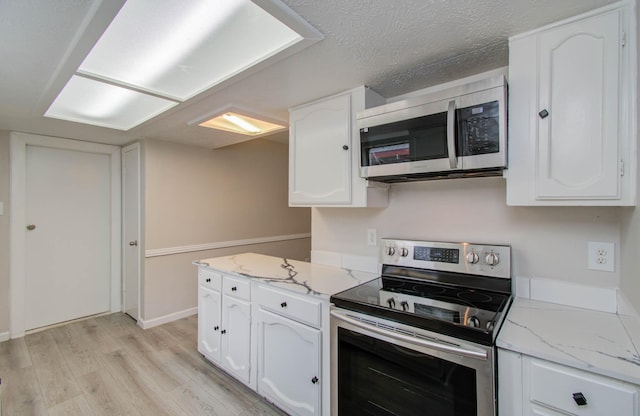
236 338
269 338
209 322
530 386
224 323
289 363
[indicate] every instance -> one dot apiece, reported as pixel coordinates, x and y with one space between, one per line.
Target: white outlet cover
601 256
372 237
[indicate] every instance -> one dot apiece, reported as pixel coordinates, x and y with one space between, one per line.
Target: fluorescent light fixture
173 50
243 124
87 101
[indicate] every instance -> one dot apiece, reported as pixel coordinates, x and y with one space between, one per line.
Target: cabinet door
541 411
289 364
236 337
578 66
320 153
209 323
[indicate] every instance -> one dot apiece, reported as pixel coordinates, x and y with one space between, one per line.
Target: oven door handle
481 355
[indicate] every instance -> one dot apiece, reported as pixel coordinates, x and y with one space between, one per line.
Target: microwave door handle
451 134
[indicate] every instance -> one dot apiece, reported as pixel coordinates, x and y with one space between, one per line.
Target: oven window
378 378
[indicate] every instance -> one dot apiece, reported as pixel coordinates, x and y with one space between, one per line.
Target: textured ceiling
393 46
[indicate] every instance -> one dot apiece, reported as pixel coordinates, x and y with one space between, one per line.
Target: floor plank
96 336
108 365
21 393
217 382
105 395
54 375
14 355
195 401
80 358
143 391
149 360
78 406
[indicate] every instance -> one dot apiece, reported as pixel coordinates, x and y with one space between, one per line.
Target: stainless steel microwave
456 132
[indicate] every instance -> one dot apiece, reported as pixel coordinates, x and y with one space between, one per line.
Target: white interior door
67 243
64 268
131 230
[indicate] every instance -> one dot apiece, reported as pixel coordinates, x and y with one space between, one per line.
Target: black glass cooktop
473 314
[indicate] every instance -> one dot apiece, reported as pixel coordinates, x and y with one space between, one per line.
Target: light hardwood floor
109 366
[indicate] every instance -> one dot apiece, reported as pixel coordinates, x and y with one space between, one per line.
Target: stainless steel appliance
459 131
420 339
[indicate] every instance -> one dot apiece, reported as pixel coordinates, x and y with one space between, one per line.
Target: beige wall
197 196
175 275
548 242
4 232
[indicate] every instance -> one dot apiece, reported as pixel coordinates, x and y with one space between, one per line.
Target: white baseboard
4 336
167 318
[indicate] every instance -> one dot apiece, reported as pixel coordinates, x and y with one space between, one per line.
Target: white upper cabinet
324 153
572 112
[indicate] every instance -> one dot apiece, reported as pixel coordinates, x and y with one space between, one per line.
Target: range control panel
479 259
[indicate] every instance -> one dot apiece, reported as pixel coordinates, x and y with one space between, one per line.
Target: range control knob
492 259
404 252
390 251
405 306
473 321
391 302
472 257
490 325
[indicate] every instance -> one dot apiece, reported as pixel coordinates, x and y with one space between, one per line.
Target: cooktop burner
453 294
461 299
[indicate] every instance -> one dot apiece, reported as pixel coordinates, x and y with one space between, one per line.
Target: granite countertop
298 276
598 342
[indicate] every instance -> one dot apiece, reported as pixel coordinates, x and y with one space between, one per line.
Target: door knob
133 243
31 227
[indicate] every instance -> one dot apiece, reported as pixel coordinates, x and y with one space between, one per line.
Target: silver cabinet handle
451 134
133 243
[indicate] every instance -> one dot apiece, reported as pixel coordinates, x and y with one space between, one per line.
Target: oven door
380 367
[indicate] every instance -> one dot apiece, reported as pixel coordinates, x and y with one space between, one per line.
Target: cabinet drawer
555 386
238 287
209 278
295 307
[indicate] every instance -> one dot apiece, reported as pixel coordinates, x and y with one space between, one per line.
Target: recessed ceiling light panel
87 101
181 48
157 54
243 124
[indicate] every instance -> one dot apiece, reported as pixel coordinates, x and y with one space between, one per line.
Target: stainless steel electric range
420 339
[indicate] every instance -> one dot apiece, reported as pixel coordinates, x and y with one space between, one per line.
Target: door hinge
624 39
621 167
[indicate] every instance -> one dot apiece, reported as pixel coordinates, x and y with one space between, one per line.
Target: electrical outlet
601 256
372 237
